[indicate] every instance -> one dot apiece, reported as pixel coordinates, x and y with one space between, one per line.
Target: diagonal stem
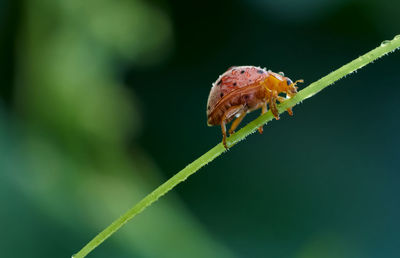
385 48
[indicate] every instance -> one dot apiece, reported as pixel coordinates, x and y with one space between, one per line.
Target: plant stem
385 48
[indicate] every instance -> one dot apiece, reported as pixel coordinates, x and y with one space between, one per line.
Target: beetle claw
224 142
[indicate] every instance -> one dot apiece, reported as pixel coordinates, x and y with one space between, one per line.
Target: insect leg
263 111
223 128
272 105
289 110
237 122
226 117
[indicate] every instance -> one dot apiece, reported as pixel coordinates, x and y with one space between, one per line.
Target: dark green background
101 101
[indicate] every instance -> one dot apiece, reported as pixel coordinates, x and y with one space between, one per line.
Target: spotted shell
234 78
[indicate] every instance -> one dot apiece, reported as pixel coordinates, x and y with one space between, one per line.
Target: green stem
385 48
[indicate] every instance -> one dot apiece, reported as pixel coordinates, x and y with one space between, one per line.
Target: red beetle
242 89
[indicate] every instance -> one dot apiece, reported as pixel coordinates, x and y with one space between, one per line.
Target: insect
242 89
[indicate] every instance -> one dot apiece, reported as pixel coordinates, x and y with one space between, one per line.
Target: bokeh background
101 101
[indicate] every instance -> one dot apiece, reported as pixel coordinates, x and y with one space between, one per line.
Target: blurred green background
101 101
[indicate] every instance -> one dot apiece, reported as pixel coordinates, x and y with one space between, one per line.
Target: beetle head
291 86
